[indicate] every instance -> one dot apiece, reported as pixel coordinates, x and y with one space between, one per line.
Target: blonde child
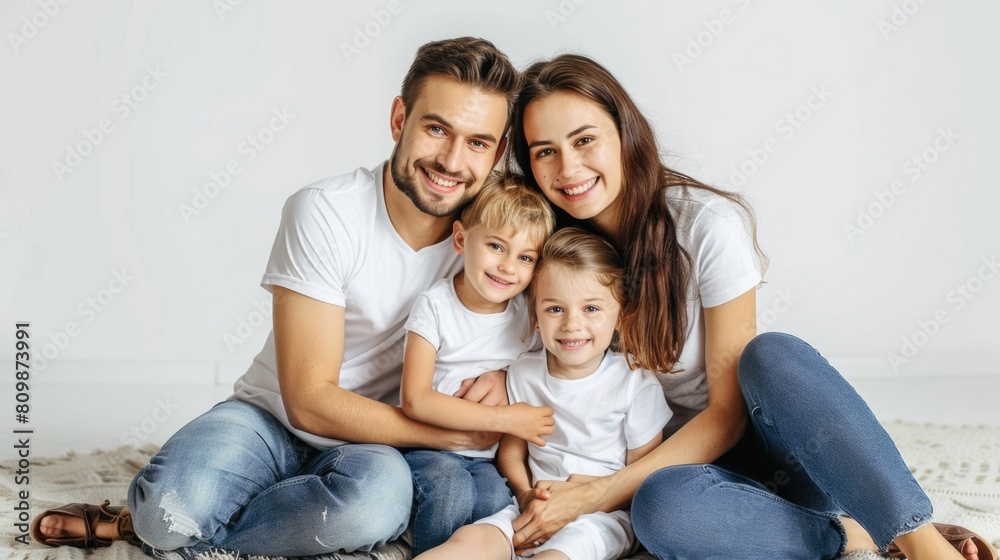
460 328
606 416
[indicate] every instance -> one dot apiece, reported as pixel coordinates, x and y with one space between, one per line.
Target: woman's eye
543 153
585 140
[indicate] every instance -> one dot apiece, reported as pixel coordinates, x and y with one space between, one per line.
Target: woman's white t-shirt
715 233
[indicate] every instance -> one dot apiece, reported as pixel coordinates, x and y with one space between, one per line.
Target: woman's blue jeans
450 491
236 479
815 452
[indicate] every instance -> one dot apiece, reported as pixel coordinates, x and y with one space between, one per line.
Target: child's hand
532 494
528 422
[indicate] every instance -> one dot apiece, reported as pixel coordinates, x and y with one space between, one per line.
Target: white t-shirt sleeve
648 413
423 320
723 253
314 252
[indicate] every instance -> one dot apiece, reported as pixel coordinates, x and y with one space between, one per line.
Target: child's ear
458 237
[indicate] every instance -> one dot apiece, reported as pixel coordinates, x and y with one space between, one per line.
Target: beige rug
959 467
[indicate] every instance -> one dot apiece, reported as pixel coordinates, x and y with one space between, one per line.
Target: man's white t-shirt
597 418
469 344
713 231
336 244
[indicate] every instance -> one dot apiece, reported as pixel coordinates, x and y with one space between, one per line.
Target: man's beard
429 203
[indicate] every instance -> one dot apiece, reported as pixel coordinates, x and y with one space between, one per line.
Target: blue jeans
236 479
814 452
450 491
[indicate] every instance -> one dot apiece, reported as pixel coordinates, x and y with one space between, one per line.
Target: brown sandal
91 516
957 537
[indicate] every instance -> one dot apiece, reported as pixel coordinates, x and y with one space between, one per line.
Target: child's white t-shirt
597 418
337 245
469 344
714 232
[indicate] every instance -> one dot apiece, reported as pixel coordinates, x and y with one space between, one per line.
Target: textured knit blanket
959 467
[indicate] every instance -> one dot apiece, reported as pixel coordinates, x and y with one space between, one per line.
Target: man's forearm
333 412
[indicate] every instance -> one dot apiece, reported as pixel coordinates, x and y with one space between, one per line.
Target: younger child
460 328
606 416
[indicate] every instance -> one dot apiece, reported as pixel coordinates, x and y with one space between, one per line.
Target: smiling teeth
573 343
497 280
439 181
582 188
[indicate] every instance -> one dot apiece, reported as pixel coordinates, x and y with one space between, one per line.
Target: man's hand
489 388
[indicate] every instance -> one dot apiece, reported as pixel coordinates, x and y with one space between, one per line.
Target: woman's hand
542 517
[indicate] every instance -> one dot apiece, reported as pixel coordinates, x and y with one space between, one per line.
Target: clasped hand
548 507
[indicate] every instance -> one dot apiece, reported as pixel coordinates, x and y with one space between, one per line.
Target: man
269 471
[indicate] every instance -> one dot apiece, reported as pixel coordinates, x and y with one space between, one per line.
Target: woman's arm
421 402
712 432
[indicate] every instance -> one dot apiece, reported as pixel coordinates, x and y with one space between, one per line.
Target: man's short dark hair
469 60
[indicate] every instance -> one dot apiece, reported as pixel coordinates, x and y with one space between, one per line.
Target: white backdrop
148 148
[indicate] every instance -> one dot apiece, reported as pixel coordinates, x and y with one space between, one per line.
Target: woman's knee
775 359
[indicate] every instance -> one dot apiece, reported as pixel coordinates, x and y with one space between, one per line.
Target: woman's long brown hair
654 317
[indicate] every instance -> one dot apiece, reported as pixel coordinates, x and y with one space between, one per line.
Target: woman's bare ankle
926 543
857 537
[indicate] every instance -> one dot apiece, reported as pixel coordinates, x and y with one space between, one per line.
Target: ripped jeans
235 478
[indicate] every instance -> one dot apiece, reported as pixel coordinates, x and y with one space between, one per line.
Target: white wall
215 77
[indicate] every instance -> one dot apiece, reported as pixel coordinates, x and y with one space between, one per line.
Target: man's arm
309 341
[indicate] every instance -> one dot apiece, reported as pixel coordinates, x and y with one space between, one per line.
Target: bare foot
857 537
61 526
926 543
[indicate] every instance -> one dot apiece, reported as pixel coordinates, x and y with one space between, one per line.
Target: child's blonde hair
506 201
580 251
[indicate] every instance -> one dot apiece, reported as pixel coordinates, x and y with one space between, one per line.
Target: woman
840 484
